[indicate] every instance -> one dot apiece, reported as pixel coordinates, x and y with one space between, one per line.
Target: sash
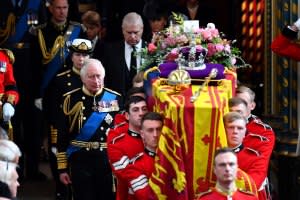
55 64
22 26
91 125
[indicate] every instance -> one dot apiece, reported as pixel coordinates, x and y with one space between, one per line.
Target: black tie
133 67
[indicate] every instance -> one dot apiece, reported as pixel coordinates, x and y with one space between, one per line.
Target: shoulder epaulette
9 54
260 137
246 191
253 151
40 26
113 91
119 125
204 193
33 29
74 23
64 73
259 122
72 91
117 138
136 157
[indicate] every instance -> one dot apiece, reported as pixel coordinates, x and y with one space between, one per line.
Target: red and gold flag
191 134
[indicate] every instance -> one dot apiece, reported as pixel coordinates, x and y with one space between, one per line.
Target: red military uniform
123 146
260 137
245 182
255 165
139 171
8 88
217 194
284 45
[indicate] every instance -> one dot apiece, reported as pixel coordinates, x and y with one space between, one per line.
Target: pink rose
206 34
151 48
219 47
211 49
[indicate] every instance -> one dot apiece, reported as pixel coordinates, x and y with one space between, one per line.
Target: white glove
54 150
8 111
39 103
297 24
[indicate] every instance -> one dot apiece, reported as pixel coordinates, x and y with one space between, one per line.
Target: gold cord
76 112
58 43
10 28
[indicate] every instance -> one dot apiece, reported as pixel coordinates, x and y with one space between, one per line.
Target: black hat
81 46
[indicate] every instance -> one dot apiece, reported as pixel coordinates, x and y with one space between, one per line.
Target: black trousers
91 175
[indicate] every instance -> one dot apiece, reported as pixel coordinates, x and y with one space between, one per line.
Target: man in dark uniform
225 169
124 142
80 49
141 168
85 120
50 47
249 160
17 19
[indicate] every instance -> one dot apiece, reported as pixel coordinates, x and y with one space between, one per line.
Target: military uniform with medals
82 134
8 89
17 17
50 58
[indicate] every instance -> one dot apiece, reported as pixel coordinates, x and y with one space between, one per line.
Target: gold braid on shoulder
73 113
58 43
10 28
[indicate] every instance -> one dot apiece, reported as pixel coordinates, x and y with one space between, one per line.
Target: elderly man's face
94 79
132 33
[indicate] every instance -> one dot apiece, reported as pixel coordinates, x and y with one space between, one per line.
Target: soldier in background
285 45
17 21
84 122
51 55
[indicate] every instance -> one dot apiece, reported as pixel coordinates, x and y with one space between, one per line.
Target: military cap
81 46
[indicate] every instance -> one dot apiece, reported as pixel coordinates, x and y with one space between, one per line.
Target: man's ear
252 105
127 116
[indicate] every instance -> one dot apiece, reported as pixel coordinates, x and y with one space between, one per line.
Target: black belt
19 45
89 145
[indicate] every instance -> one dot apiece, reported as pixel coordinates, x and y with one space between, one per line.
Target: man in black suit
120 61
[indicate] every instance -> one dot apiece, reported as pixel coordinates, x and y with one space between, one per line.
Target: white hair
9 151
91 62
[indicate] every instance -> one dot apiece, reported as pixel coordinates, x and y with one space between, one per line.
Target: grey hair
132 18
91 62
9 151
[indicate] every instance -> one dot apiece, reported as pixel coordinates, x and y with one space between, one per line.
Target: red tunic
256 166
140 171
214 194
284 46
123 146
8 88
260 137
